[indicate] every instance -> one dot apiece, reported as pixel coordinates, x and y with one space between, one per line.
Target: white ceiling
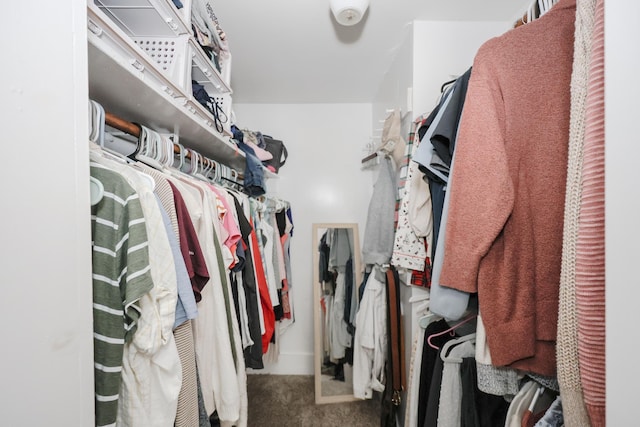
293 51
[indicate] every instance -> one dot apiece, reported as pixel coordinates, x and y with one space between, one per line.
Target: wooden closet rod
121 124
135 130
520 21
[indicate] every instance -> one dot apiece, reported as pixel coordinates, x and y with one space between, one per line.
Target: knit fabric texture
590 250
504 231
187 412
377 246
567 341
496 380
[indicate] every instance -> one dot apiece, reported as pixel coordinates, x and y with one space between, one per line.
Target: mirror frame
317 321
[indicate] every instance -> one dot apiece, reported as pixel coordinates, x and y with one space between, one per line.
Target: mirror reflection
337 267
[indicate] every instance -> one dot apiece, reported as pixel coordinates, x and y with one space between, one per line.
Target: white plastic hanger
181 155
536 396
100 123
92 122
531 12
224 173
217 173
208 167
149 144
199 166
98 135
97 190
178 171
452 343
169 152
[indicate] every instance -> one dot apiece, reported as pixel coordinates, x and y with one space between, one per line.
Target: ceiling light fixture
348 12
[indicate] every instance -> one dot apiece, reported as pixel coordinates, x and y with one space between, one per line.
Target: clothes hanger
449 344
97 190
160 149
200 166
93 130
178 171
217 173
208 167
450 330
536 396
544 6
423 299
531 13
224 173
98 116
188 167
99 136
181 156
427 319
170 152
447 83
150 142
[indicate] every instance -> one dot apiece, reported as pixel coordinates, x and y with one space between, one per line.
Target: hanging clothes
370 341
504 232
253 354
151 360
410 247
340 252
378 240
121 276
187 410
452 354
188 315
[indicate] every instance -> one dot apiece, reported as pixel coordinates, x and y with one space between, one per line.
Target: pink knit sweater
590 271
504 231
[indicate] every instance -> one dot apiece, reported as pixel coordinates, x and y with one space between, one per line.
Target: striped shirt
121 275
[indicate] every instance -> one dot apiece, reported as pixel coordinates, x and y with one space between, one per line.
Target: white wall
47 350
622 225
393 90
442 51
323 181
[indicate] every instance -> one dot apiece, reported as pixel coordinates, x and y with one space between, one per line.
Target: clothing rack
370 157
134 129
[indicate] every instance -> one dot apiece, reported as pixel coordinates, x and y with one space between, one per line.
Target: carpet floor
288 401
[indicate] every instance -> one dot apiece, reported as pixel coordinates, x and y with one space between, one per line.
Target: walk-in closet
332 213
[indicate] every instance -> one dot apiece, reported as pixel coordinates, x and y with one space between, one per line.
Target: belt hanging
396 340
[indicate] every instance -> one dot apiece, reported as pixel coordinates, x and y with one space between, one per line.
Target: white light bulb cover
348 12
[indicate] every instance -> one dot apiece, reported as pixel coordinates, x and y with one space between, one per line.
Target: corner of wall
443 50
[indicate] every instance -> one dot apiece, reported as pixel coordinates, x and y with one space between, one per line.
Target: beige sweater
504 232
573 406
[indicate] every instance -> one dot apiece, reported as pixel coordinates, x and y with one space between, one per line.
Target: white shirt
151 369
370 341
211 333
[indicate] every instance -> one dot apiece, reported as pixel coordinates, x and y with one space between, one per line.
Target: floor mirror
337 276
